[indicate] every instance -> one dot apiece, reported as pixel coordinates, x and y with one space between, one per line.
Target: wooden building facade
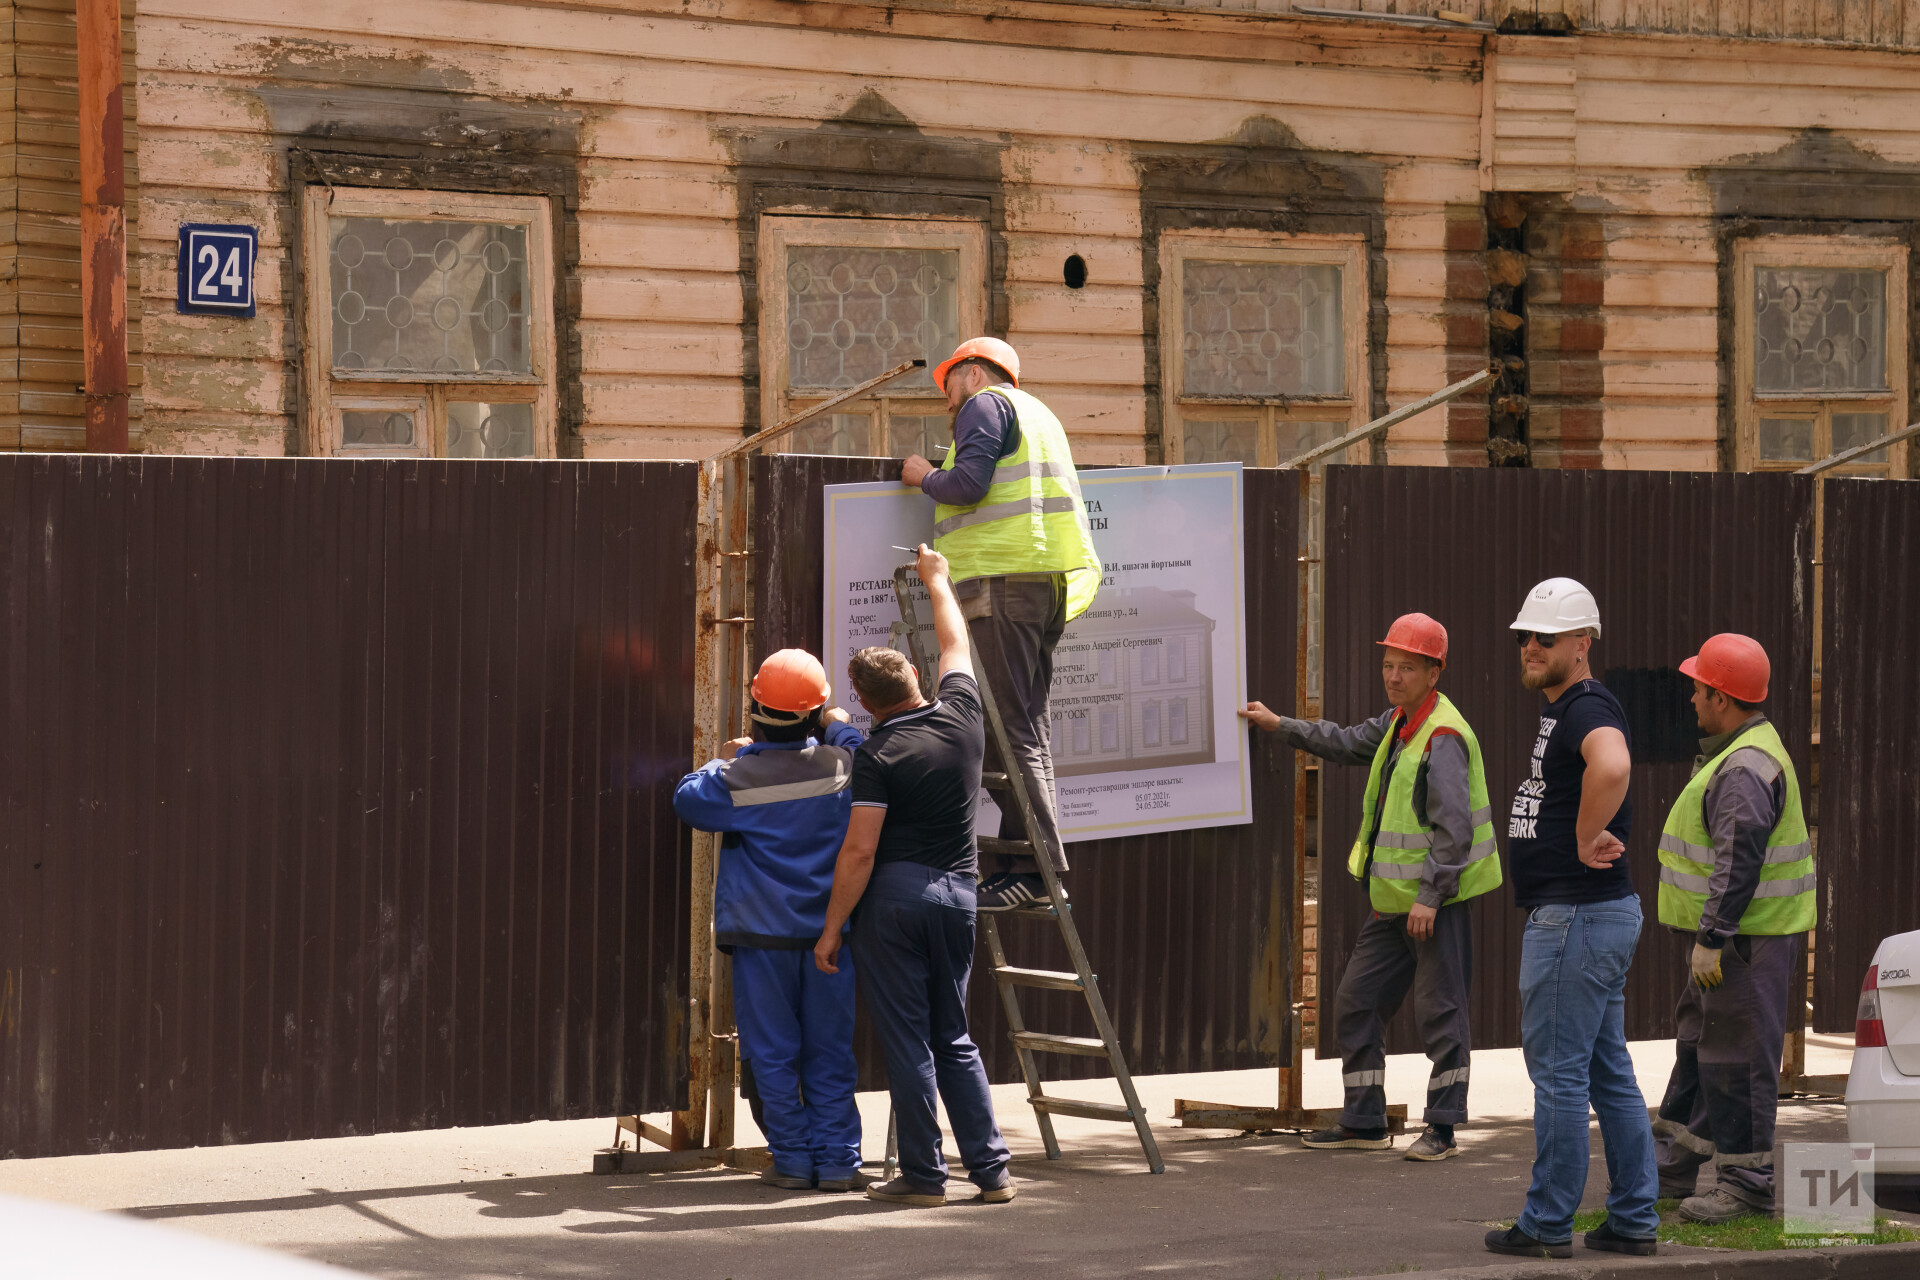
636 228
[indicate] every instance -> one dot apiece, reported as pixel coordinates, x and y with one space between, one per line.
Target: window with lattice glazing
429 324
1820 352
1263 357
843 300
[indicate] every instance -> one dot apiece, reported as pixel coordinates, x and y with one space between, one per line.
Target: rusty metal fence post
103 225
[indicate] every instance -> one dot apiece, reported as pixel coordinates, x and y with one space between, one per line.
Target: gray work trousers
1725 1086
1386 961
1013 623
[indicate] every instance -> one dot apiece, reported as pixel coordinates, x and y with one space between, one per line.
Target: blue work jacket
783 809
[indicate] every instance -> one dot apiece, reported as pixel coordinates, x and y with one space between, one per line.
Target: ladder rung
994 781
1085 1110
1016 848
1052 980
1084 1046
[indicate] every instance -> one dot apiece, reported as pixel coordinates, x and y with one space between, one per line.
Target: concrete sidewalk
515 1200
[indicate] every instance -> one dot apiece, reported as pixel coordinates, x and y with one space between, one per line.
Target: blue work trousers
796 1028
913 934
1573 977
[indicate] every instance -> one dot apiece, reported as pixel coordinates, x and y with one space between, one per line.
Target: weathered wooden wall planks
661 134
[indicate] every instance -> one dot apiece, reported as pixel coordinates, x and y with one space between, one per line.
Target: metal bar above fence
1845 456
759 438
1393 419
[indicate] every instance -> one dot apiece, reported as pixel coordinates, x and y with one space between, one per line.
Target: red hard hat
1417 633
980 349
791 680
1734 664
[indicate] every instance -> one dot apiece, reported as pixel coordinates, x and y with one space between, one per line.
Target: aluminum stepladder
1007 787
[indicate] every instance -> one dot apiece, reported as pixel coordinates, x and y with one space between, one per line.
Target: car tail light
1868 1031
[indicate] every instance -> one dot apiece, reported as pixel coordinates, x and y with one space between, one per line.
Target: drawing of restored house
1133 685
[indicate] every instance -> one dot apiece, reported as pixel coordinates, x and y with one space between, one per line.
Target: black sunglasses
1547 639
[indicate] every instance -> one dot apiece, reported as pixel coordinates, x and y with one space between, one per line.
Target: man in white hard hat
1565 836
1011 523
1424 847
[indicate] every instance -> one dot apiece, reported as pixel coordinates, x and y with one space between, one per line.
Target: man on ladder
1011 523
908 866
1424 847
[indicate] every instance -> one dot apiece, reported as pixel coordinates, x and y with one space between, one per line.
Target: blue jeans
1573 976
796 1028
913 938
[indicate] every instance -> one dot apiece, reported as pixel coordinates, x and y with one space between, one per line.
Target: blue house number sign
216 270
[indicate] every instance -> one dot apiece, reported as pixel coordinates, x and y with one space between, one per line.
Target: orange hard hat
1734 664
791 680
980 349
1417 633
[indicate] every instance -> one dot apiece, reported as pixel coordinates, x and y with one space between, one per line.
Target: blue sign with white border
215 272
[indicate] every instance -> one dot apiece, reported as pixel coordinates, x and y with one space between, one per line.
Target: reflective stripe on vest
1783 902
1396 859
1031 518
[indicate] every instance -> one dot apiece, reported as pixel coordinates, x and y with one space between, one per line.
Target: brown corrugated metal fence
1868 853
337 796
1190 931
1672 557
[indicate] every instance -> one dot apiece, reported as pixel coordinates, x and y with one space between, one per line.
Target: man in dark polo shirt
905 877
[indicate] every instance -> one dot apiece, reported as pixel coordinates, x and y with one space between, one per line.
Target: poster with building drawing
1145 683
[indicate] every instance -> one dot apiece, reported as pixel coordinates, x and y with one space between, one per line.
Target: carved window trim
1348 252
780 231
1840 253
334 392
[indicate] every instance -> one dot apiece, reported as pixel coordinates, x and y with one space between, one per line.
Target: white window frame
1840 253
780 231
330 391
1351 407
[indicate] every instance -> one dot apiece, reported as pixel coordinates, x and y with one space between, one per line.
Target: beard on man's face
1559 667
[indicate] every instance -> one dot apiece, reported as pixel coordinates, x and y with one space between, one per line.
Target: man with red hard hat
1010 521
782 797
1736 874
1425 846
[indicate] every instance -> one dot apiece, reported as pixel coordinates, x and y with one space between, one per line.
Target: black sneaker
1341 1138
1011 890
1518 1243
1434 1144
1604 1237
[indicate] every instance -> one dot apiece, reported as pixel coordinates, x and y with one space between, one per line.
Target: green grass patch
1756 1231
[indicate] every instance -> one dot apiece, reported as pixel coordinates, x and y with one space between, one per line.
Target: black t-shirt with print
1542 848
923 768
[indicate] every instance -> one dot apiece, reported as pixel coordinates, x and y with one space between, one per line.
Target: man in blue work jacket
782 798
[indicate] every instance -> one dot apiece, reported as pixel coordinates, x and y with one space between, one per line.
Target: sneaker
900 1191
784 1181
1676 1190
1433 1145
1519 1244
1605 1237
1716 1206
1011 890
1002 1193
1342 1138
839 1186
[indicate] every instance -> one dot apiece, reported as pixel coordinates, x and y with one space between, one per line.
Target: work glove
1706 967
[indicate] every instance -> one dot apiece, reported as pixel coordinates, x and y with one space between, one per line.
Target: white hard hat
1557 605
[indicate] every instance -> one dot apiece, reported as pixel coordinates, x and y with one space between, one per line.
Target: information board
1145 683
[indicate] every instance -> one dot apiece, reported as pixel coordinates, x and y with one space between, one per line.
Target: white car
1883 1089
53 1242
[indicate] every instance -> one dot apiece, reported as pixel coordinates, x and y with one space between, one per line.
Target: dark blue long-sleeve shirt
984 431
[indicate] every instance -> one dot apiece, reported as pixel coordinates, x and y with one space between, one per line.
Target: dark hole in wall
1660 720
1507 435
1075 272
